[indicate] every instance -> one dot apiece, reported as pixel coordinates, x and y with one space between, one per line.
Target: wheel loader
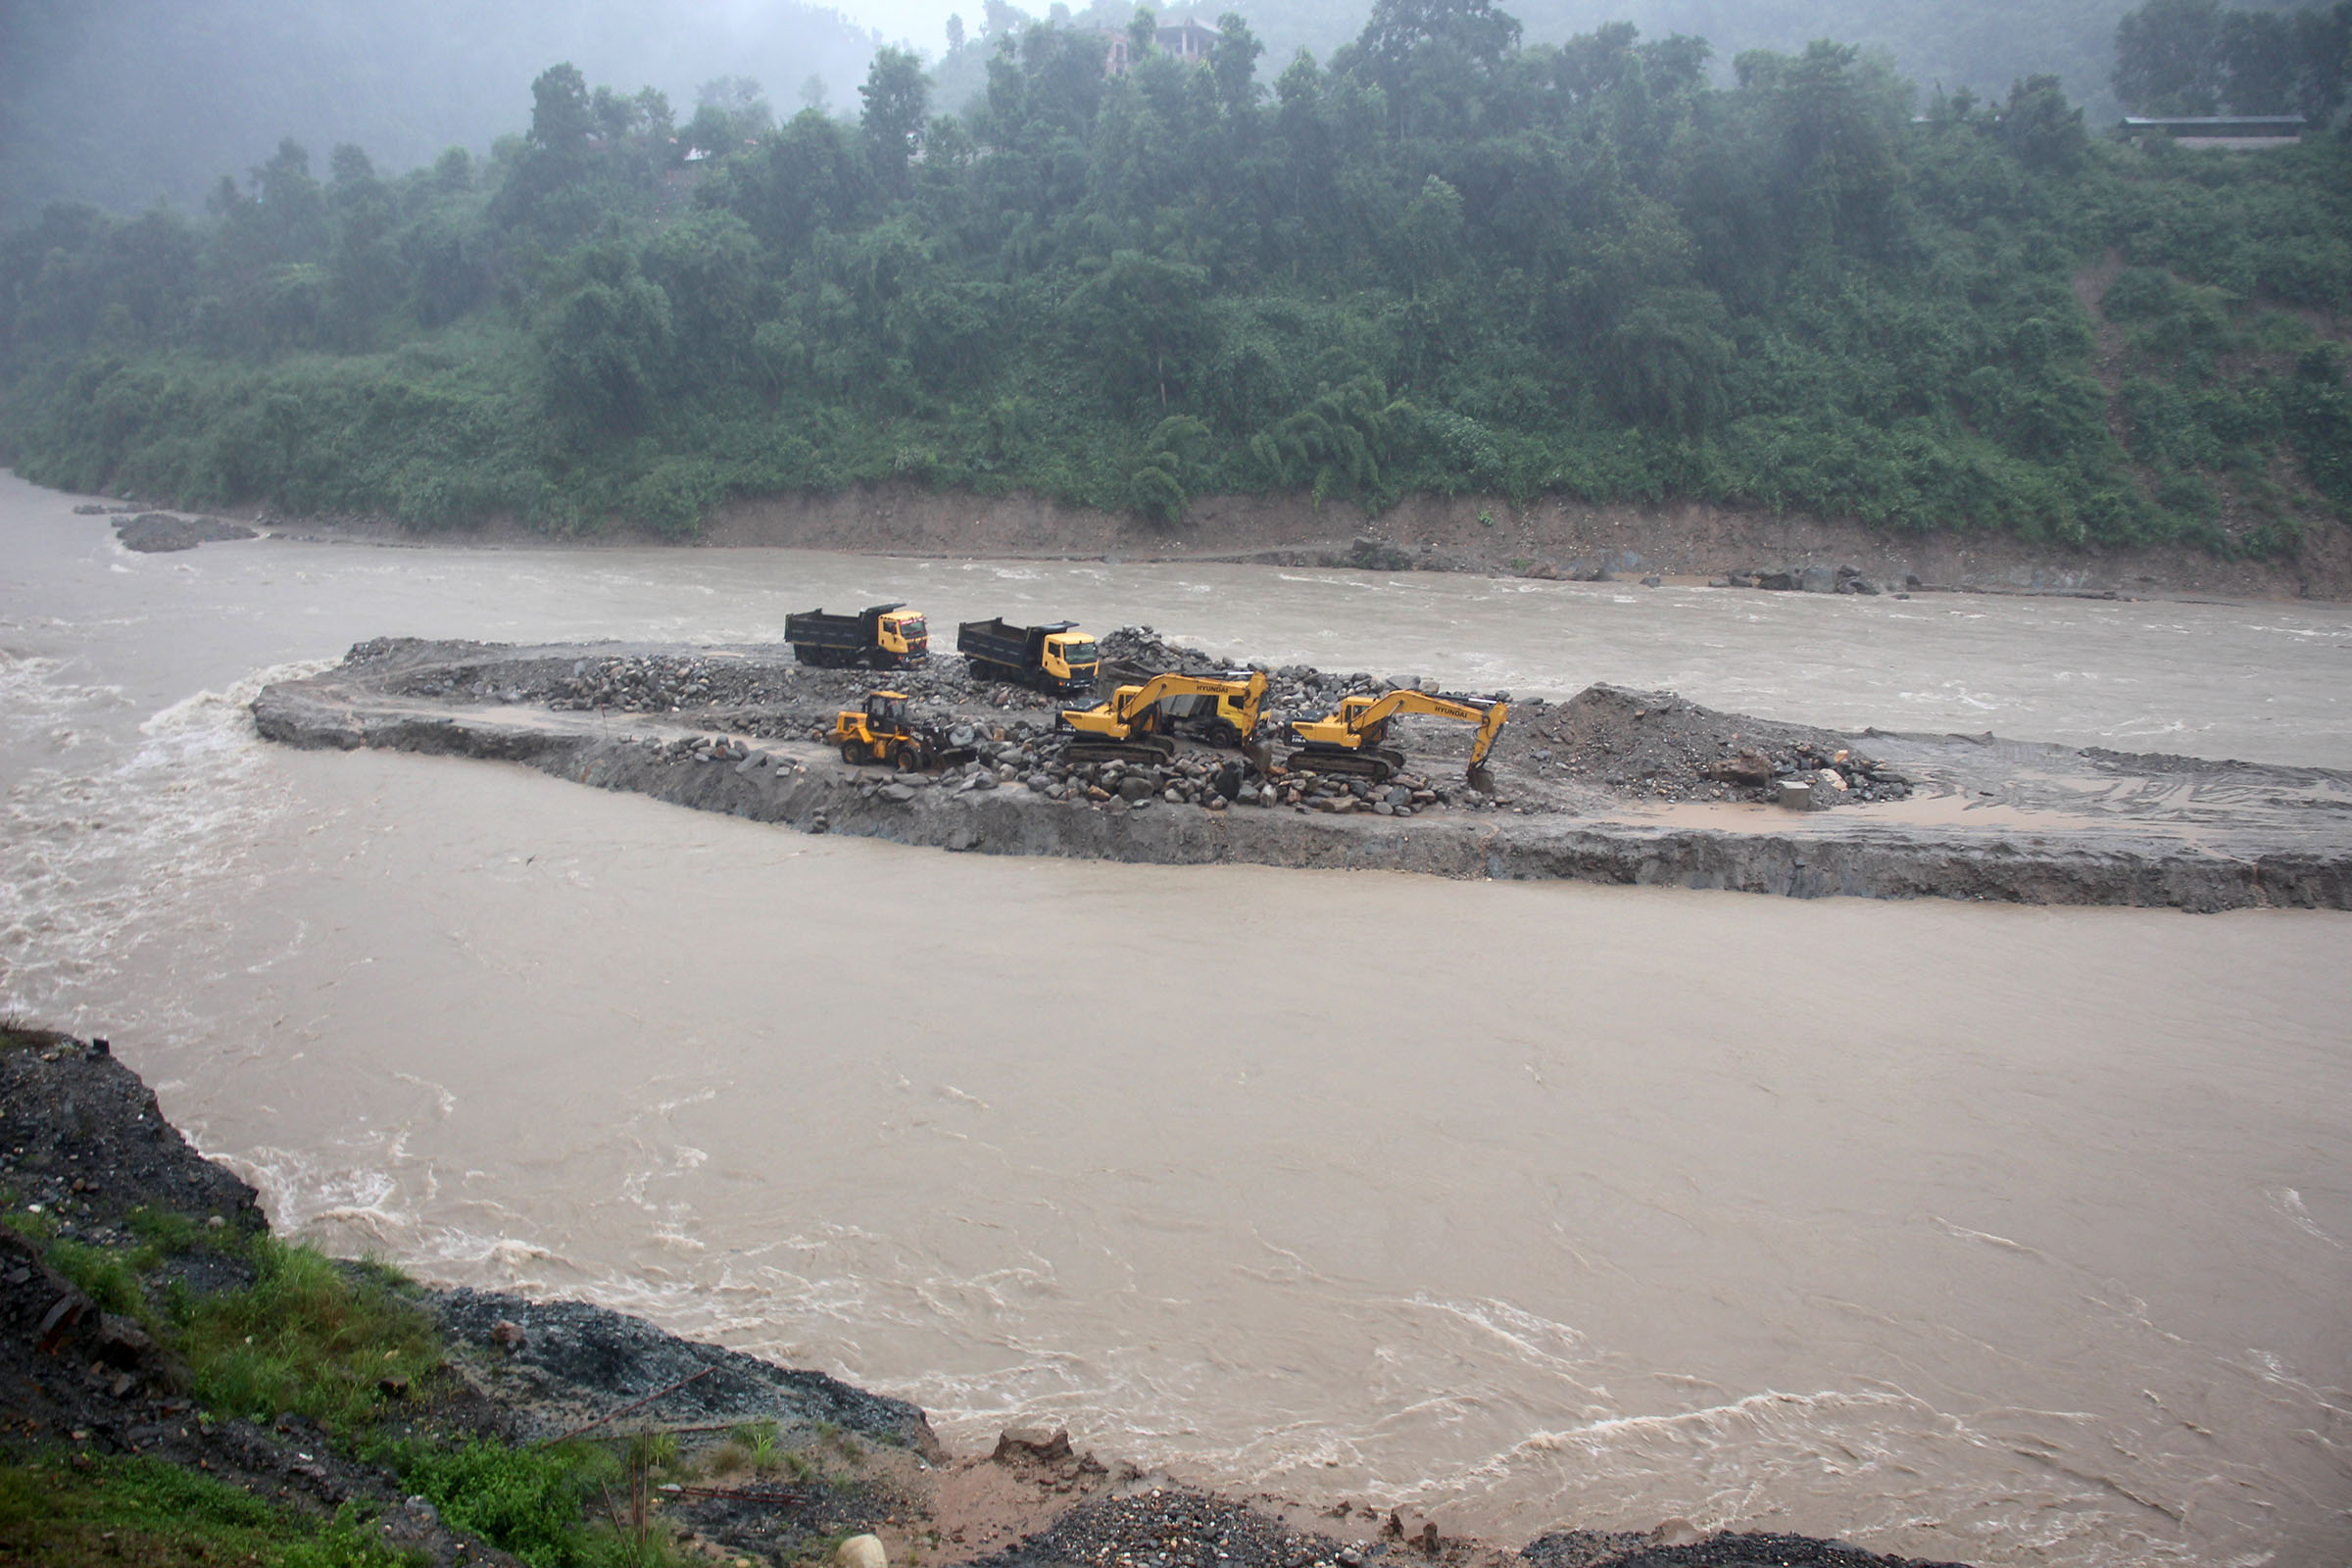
883 732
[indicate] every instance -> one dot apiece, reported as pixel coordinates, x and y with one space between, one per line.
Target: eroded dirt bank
89 1169
1554 537
1612 786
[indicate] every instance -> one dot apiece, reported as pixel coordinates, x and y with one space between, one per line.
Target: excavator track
1153 749
1377 762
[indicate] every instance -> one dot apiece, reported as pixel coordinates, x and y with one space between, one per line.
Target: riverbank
1612 786
495 1430
1556 537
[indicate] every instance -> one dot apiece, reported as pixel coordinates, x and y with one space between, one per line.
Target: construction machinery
883 637
1351 739
882 731
1058 659
1138 722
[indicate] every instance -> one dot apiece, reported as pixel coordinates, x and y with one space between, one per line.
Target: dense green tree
1442 261
2168 57
898 102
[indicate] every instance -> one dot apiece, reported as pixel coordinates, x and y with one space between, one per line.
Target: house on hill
1188 40
2217 133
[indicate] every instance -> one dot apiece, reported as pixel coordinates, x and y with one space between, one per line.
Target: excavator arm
1361 724
1137 707
1129 724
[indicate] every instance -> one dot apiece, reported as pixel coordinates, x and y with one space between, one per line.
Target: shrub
309 1336
528 1502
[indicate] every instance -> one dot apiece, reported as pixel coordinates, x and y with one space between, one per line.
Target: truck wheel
906 757
851 753
1223 733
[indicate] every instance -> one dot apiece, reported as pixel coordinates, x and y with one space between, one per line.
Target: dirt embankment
1553 535
1612 786
1556 537
88 1162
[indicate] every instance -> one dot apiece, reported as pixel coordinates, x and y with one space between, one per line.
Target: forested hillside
1442 260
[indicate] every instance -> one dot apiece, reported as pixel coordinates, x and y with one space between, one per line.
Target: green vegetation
64 1514
342 1344
529 1502
1441 261
2191 57
309 1336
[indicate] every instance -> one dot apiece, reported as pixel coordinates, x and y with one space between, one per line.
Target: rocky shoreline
740 1461
1612 786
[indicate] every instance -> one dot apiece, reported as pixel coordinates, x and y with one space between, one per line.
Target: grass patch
145 1511
529 1502
166 1233
306 1335
104 1275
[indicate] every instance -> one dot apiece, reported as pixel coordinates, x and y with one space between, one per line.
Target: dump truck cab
1071 657
905 634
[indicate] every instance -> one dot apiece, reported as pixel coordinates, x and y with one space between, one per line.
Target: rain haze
123 102
1289 784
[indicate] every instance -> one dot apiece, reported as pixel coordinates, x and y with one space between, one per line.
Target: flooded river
2011 1236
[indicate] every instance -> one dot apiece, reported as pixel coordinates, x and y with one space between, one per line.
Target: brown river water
2005 1235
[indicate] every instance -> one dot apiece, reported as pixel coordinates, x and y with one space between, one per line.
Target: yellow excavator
1137 723
1349 740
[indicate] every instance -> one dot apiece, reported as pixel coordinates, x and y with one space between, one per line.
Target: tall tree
898 101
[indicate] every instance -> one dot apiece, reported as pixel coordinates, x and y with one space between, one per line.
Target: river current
2010 1235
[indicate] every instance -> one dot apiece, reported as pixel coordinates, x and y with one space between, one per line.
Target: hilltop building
2217 133
1188 40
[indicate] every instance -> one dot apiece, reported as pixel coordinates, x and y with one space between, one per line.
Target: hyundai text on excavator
1136 724
882 732
1351 740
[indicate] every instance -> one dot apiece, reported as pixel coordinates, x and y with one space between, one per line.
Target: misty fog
121 101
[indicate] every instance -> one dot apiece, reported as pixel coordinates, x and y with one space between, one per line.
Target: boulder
1032 1446
1750 768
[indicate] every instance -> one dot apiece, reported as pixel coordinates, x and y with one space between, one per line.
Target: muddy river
2008 1235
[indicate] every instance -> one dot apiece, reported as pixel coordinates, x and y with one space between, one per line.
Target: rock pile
1807 579
704 748
1657 746
1166 1527
158 532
